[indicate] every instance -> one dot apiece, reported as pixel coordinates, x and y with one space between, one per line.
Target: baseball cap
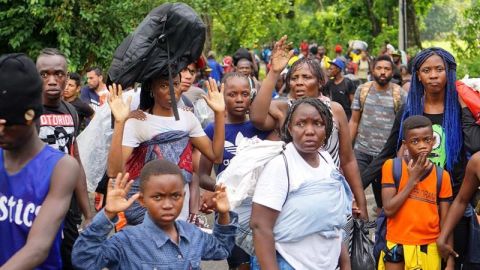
338 48
20 88
339 63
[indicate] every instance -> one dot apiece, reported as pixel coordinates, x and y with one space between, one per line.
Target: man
339 88
33 176
58 127
245 67
217 70
95 93
373 113
339 53
188 76
324 59
70 95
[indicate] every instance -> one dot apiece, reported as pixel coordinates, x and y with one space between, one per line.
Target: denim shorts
282 263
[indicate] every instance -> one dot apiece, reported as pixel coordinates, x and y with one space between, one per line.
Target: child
413 215
237 127
469 187
159 242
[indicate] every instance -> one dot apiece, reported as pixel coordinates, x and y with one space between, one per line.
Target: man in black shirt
339 88
58 127
70 95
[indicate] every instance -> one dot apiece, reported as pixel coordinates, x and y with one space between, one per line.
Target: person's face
93 80
419 141
188 75
432 74
162 196
237 96
303 83
321 51
307 128
53 70
383 72
71 89
363 54
14 136
161 92
333 70
244 67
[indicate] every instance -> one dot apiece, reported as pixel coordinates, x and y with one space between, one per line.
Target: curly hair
314 67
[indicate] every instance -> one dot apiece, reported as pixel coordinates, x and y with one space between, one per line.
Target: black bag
171 33
362 247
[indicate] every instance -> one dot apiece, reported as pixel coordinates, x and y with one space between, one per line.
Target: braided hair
234 74
314 67
452 112
322 109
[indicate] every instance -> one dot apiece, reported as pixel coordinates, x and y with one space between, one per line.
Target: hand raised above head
117 191
281 54
120 109
214 99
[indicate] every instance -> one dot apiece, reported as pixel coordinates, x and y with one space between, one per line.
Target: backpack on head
381 222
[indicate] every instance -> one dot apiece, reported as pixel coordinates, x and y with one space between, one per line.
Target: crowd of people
343 123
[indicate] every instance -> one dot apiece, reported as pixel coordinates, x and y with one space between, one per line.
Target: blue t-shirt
21 197
217 70
234 133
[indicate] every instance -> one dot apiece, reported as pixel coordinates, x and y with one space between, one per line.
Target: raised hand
222 205
117 191
280 55
215 99
417 169
120 109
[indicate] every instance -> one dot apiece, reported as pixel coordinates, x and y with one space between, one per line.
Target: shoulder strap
397 97
439 172
73 112
288 177
397 171
364 93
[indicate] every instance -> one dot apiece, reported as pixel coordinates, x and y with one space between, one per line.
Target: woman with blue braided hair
433 94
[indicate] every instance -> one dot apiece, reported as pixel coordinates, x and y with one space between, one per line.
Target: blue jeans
282 264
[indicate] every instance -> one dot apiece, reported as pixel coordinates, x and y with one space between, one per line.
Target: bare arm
262 221
353 124
444 206
47 223
204 171
81 192
348 162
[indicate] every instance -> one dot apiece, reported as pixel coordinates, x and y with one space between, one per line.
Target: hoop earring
151 94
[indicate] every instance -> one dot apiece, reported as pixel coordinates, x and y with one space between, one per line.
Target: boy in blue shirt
160 242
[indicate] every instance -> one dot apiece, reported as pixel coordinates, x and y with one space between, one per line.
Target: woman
433 94
160 136
301 200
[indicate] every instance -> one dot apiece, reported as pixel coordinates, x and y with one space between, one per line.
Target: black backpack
169 38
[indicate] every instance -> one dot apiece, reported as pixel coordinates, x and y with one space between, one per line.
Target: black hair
234 74
97 70
314 50
51 51
158 167
314 67
146 99
245 59
322 109
383 57
76 77
415 121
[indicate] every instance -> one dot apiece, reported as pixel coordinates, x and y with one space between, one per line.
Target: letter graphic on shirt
11 204
232 147
18 212
3 208
29 209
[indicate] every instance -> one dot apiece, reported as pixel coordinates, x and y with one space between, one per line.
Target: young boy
160 242
416 210
36 181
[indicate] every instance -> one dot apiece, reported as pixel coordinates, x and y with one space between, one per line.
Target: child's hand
417 169
215 99
120 109
220 199
117 191
280 55
206 202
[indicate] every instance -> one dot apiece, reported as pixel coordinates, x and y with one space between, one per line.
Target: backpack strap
439 172
397 97
397 171
364 93
288 177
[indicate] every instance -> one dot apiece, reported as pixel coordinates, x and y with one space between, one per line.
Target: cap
20 88
339 63
338 48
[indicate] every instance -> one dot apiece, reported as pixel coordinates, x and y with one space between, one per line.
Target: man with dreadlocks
433 94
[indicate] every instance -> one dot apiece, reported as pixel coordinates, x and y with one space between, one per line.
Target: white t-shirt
138 131
314 251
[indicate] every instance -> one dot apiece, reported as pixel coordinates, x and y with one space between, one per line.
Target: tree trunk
376 26
207 19
413 33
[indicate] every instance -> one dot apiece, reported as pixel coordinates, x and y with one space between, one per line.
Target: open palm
215 99
222 205
117 194
280 55
120 109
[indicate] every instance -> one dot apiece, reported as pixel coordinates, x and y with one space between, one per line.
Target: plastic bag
362 247
94 144
203 113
